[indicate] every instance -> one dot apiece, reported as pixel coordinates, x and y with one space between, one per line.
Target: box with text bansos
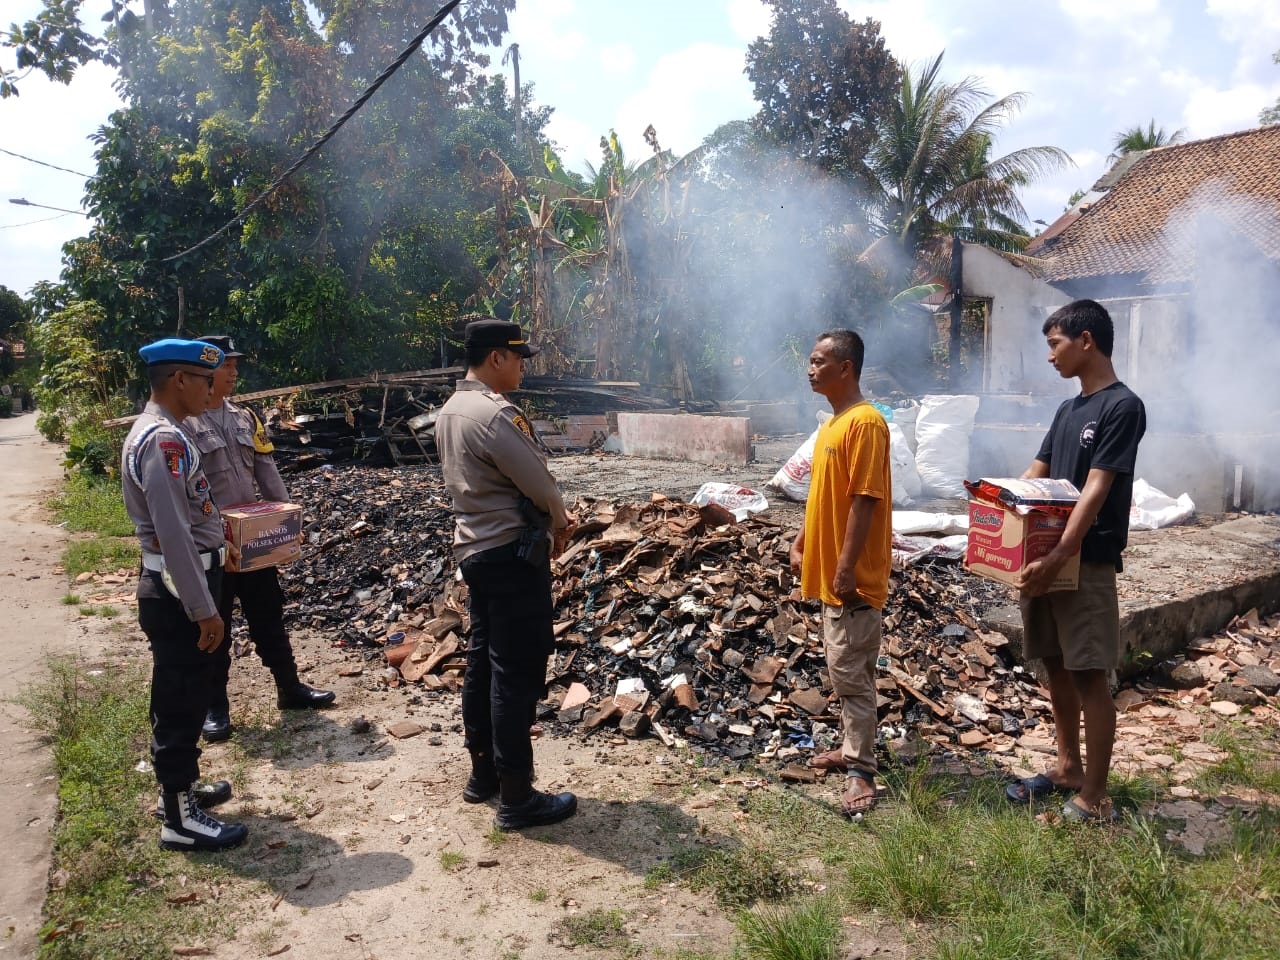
267 534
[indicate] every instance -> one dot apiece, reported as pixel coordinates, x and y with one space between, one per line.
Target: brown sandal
863 803
831 760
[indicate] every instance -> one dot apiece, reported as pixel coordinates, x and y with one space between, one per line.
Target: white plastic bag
902 464
908 522
1151 509
740 501
943 430
792 481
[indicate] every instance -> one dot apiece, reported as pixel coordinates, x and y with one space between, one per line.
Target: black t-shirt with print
1100 431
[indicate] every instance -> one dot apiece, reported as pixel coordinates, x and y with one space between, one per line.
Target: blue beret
191 352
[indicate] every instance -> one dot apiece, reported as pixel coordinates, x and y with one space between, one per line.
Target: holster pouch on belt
535 539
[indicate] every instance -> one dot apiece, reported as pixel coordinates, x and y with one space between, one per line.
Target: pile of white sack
929 458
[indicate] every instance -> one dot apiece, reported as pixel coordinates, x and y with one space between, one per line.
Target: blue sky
1089 67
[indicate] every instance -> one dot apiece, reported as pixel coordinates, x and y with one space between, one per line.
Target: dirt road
35 625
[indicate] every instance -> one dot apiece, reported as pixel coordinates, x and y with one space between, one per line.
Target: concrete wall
1017 359
686 437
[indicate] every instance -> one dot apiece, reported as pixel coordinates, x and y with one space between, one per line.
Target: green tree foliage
15 313
54 43
364 256
83 381
823 82
1136 139
932 173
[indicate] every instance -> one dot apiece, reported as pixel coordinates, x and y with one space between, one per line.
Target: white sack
943 430
1151 509
902 464
792 481
740 501
908 522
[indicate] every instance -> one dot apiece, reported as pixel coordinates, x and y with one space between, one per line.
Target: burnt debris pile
671 619
390 419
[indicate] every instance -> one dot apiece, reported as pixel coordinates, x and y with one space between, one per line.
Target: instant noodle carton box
1013 522
268 534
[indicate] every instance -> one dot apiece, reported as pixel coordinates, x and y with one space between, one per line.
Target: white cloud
911 28
688 94
1210 111
618 58
548 25
576 141
50 122
748 19
1254 27
1141 22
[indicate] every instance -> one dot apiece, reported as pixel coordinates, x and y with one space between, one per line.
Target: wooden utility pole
513 54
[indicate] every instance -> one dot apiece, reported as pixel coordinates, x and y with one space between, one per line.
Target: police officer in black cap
167 497
237 459
510 522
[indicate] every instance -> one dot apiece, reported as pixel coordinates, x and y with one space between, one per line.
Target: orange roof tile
1146 223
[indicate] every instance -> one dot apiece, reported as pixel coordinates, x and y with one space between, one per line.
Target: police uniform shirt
167 496
237 455
491 459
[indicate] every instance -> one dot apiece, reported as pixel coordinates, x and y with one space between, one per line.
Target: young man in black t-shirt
1093 442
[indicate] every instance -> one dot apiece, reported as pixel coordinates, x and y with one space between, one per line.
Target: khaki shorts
1081 626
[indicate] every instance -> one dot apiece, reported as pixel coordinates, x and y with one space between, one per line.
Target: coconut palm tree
931 173
1135 139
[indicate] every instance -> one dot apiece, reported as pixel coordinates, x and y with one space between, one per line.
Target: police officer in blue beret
166 494
237 459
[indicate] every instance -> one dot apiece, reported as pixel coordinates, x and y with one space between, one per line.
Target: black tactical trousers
181 680
511 638
262 603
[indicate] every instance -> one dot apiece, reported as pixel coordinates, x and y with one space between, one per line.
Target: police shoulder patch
522 425
174 454
261 442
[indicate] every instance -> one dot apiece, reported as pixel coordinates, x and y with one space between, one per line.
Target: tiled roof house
1162 211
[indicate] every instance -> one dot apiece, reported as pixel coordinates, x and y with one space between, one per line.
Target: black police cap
498 333
225 344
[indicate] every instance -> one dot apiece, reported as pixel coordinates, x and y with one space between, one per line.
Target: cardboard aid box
268 534
1013 522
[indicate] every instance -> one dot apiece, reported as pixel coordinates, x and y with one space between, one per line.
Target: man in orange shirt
843 552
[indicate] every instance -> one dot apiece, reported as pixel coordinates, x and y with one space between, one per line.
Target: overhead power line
10 226
51 166
324 138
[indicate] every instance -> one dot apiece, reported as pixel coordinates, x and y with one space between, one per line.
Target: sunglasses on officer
206 377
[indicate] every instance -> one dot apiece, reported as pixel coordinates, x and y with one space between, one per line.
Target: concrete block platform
1181 583
686 436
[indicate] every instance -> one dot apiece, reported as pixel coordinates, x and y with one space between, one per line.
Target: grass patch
115 898
92 505
539 896
804 931
100 555
1252 762
451 860
987 881
70 599
598 928
744 876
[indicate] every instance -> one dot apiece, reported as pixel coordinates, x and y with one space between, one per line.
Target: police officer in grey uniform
510 522
167 497
237 460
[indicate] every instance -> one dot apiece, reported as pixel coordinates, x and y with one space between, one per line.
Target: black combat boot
522 806
207 795
298 696
482 785
187 827
217 725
